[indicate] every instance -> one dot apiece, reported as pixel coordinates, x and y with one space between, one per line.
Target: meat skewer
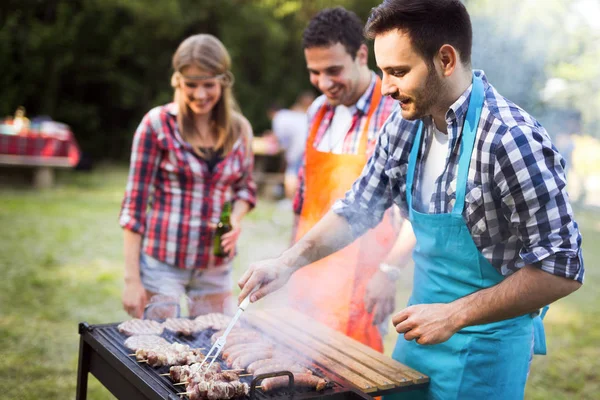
173 354
218 386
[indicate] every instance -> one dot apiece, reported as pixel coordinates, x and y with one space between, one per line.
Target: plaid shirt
516 207
352 138
172 199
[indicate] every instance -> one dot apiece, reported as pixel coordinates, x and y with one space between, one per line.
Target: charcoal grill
103 354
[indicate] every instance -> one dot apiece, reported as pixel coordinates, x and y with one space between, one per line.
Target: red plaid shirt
352 138
173 200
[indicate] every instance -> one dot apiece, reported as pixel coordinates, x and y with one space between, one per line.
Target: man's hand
380 297
427 323
267 276
134 299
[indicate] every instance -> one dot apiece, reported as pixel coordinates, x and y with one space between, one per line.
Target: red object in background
35 149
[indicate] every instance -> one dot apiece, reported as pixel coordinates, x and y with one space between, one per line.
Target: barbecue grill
102 353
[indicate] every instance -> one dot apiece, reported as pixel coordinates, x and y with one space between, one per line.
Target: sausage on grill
278 367
300 380
245 347
234 355
256 365
243 361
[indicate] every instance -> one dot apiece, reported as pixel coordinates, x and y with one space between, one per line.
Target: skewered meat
174 354
140 327
216 321
180 325
216 390
294 368
144 341
300 380
179 373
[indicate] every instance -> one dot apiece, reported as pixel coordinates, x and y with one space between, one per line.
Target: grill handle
260 377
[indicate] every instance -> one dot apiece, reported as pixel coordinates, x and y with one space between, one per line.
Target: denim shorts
159 277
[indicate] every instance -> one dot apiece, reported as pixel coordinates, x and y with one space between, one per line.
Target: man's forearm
330 234
524 292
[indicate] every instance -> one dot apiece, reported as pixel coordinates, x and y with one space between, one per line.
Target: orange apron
332 290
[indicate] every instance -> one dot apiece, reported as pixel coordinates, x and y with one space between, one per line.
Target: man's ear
362 54
447 59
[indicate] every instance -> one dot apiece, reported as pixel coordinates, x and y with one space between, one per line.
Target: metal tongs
216 348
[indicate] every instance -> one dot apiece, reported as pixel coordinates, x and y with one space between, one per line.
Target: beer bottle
223 227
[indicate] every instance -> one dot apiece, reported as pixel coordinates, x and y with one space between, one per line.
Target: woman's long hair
208 53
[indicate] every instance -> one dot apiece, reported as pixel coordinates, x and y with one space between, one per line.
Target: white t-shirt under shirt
435 160
333 138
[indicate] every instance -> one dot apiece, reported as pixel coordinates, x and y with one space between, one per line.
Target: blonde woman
188 158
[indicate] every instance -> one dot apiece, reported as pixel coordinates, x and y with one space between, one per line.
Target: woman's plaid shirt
172 199
516 208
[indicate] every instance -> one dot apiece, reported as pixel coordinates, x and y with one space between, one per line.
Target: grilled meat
140 327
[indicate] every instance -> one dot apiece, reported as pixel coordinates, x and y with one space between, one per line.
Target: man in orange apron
343 127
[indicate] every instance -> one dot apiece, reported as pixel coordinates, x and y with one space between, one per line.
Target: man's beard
424 99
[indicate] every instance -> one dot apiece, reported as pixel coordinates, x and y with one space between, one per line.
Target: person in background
344 123
188 159
484 189
290 127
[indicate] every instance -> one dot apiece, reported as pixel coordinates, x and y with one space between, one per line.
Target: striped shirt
173 199
352 138
516 208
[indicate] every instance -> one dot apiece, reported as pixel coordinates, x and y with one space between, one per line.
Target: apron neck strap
412 162
469 133
466 149
375 99
364 138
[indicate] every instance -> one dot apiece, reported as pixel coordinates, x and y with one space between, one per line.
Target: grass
61 263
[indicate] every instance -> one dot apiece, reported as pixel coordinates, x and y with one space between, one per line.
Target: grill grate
111 342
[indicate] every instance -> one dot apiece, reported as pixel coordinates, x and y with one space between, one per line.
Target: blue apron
488 361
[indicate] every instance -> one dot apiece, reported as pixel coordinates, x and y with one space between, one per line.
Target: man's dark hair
334 25
429 23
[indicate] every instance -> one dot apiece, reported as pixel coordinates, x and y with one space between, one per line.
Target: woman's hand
134 298
229 240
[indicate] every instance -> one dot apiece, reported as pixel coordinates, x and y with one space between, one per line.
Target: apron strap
469 133
375 99
412 162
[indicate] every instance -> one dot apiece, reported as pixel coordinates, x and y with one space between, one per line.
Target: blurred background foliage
99 65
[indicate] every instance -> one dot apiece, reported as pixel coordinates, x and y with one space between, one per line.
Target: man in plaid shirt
485 191
343 127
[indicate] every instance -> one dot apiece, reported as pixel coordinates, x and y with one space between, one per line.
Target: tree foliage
99 65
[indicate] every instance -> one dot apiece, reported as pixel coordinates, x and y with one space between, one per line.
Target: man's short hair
429 23
334 25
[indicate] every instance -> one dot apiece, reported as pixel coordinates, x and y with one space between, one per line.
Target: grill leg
83 369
